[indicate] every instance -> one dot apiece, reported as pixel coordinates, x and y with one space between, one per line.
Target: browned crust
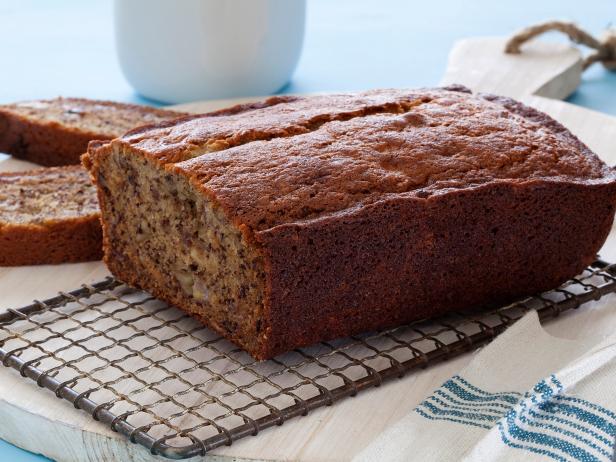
541 118
66 241
253 219
52 143
232 110
418 256
277 117
409 258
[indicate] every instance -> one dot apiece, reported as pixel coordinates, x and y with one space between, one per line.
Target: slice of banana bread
48 216
346 221
57 131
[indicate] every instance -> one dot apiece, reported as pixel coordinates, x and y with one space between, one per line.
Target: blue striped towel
527 396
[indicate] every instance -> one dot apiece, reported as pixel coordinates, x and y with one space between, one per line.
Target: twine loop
604 48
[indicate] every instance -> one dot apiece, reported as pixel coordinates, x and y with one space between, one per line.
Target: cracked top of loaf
276 117
292 159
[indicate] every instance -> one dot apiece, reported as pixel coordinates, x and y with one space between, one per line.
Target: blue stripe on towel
543 421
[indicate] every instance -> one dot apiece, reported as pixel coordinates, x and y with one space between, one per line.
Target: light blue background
65 47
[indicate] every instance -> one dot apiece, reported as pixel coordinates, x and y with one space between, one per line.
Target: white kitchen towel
526 396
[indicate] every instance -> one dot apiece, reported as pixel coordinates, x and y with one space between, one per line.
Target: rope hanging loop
604 48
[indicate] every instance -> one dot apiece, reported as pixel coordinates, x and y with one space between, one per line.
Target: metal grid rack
157 376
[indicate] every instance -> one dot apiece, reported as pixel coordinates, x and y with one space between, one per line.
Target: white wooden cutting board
34 419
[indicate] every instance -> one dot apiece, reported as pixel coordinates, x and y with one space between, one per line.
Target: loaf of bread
57 131
49 216
302 219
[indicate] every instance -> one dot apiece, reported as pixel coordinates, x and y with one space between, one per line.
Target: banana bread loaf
48 216
303 219
57 131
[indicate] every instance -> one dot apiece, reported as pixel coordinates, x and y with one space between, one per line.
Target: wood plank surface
36 420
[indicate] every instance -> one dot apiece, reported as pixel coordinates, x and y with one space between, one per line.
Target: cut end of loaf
191 255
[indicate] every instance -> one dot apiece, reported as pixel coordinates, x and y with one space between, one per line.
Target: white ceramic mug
187 50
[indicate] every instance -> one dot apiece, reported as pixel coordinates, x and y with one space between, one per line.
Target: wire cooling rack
157 376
